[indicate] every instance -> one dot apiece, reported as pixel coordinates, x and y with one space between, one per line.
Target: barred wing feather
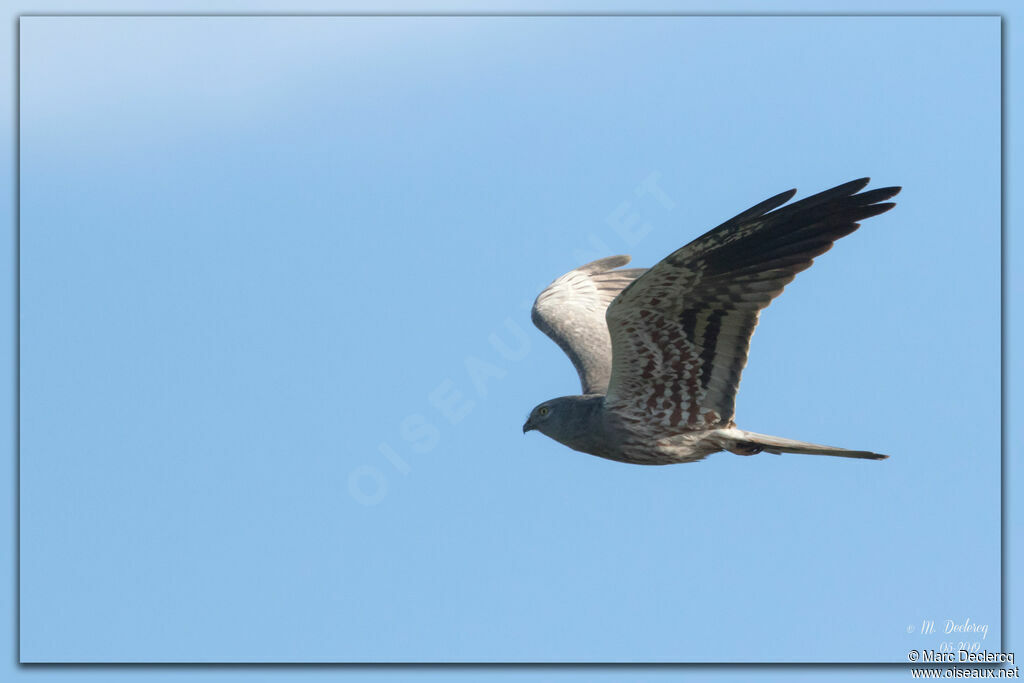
680 332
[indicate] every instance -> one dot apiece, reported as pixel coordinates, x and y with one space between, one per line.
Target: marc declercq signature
964 647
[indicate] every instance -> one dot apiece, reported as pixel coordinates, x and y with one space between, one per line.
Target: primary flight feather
660 351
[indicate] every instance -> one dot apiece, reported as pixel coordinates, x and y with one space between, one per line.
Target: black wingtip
762 208
890 191
839 191
879 194
874 210
783 196
852 187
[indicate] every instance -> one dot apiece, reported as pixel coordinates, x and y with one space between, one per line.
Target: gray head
575 421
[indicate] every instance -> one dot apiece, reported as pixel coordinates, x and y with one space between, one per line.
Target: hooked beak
528 427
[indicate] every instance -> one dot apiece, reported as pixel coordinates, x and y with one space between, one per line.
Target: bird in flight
660 351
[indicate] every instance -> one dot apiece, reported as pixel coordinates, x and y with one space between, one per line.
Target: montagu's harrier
659 351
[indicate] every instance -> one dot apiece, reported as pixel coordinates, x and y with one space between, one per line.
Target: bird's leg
745 448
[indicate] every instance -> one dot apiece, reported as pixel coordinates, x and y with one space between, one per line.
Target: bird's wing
571 311
680 333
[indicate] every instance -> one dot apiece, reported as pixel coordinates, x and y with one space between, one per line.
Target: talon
746 448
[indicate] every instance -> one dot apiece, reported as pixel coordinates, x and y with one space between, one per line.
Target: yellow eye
543 411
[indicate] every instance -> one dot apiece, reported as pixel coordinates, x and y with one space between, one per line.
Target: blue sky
259 255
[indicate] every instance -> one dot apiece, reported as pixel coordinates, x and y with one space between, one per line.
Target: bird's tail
753 443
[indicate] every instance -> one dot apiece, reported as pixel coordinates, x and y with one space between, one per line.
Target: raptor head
540 416
567 419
